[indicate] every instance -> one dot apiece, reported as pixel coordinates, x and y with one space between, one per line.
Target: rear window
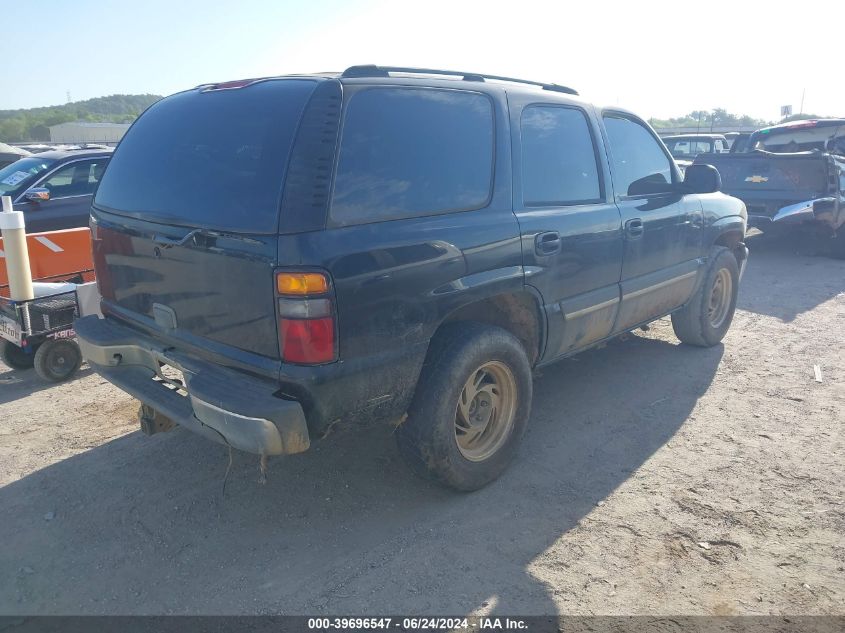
409 152
213 159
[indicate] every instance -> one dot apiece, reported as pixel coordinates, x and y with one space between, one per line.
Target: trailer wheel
15 357
57 360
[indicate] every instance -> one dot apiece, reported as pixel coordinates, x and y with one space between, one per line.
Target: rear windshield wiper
200 237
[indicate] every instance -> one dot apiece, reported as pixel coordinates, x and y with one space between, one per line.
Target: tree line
33 124
718 117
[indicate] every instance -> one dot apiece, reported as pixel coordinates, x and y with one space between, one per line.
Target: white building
79 132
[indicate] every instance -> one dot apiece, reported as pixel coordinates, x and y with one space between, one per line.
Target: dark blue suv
280 255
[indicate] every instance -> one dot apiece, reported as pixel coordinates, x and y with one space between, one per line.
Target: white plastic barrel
13 229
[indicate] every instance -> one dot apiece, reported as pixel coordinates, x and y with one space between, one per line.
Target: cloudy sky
660 59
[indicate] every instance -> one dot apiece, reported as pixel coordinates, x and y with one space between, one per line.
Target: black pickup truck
791 176
279 255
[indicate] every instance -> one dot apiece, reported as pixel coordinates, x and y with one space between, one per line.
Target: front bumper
227 406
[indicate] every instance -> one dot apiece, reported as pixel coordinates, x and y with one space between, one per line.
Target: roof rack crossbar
371 70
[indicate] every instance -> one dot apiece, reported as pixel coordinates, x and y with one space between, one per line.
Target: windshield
17 177
687 148
213 159
801 139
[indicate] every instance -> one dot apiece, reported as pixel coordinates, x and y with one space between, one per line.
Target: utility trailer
39 332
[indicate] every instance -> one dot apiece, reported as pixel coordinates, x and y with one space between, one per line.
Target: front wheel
471 406
705 320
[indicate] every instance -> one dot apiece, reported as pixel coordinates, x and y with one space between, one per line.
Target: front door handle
634 227
547 243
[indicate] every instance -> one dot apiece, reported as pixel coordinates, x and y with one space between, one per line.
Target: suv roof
61 154
709 137
427 76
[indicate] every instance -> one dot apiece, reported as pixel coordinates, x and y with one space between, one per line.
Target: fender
723 226
465 291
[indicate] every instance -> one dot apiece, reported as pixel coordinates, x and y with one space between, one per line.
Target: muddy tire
470 408
705 320
57 360
15 357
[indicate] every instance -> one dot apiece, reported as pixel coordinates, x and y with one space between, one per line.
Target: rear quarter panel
395 282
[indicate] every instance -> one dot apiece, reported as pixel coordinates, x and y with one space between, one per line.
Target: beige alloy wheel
720 298
484 416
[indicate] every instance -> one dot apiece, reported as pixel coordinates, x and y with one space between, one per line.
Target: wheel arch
730 233
517 312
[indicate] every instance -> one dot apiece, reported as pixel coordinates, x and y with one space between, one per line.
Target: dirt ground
655 479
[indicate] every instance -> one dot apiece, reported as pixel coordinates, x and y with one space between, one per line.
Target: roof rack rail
371 70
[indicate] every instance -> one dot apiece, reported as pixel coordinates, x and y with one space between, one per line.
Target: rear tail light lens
307 332
308 341
299 284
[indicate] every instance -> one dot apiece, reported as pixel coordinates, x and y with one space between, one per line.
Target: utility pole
803 92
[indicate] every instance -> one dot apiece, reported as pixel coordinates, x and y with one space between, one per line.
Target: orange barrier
56 256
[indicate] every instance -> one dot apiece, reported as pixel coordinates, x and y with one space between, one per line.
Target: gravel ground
655 479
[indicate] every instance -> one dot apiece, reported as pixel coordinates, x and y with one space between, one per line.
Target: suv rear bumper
224 405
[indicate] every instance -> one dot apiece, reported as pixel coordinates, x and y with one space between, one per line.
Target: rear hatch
186 218
766 182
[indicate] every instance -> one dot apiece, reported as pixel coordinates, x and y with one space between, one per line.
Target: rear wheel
15 357
471 406
57 360
705 320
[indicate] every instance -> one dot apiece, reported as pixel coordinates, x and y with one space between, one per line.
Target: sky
660 59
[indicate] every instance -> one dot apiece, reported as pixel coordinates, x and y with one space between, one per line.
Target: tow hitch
152 421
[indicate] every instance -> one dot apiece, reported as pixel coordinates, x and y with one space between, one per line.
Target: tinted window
75 179
558 158
410 152
636 155
214 159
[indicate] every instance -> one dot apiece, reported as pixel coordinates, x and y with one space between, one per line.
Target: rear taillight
307 332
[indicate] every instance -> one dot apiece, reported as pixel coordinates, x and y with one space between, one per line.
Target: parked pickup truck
279 255
791 175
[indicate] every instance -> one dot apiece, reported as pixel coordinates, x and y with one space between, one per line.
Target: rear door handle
547 243
634 227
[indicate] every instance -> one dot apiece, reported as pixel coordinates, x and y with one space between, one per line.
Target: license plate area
10 330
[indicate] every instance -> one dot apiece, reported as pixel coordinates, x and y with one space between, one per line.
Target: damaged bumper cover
825 210
226 406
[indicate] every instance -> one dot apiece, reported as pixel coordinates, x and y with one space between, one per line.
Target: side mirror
37 194
700 178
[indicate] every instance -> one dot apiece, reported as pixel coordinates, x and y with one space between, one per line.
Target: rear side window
637 157
78 178
558 157
213 159
408 152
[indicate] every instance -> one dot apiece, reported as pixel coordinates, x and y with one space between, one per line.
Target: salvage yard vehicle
279 255
792 176
9 154
685 147
54 188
